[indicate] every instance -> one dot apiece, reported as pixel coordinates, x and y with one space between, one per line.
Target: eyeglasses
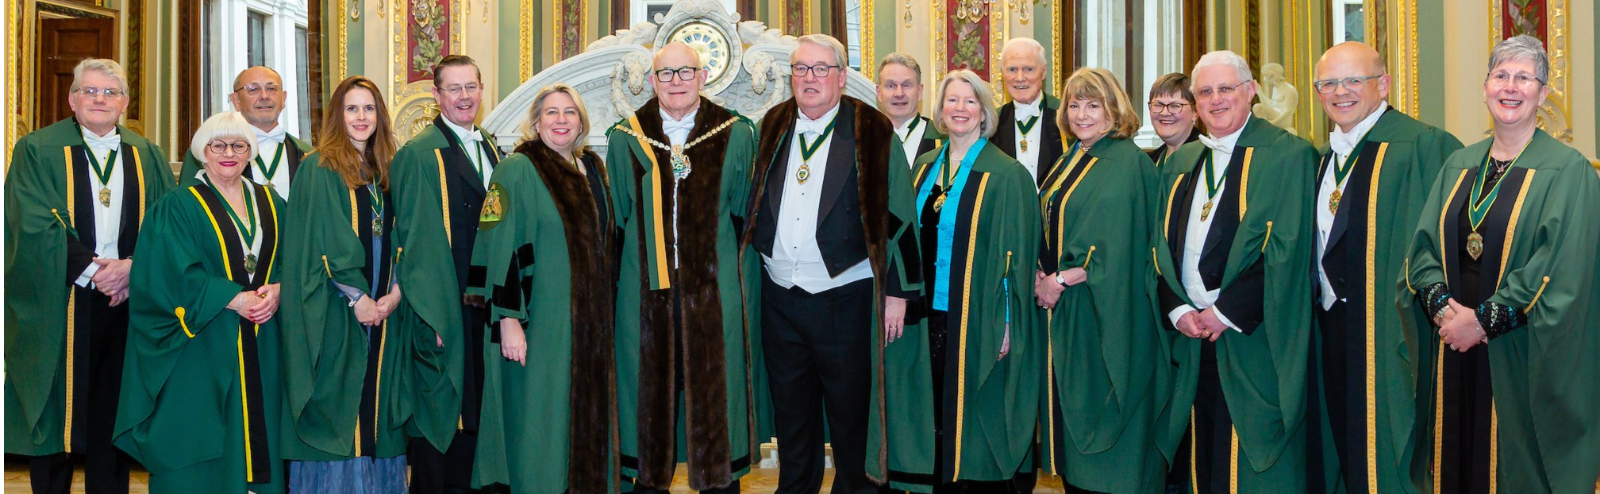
1175 107
1352 84
685 74
256 89
1207 93
459 89
238 147
91 91
1524 81
800 70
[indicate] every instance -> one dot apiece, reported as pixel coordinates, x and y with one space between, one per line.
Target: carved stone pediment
749 70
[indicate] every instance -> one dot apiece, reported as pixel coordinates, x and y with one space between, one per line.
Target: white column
1163 54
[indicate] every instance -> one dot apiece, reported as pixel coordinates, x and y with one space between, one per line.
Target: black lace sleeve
1434 298
1498 319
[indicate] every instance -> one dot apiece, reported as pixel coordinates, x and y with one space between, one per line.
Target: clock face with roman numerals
711 43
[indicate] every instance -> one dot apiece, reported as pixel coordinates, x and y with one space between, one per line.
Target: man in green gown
258 95
1234 261
1027 128
831 220
679 170
439 180
900 99
1371 183
76 193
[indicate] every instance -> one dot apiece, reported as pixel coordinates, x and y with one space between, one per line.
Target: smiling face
961 112
360 116
1351 60
1172 126
227 165
678 96
558 123
459 94
1222 99
816 95
99 113
899 92
1514 104
1088 119
258 95
1022 72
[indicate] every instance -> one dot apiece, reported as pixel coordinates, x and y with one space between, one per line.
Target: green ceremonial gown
202 393
47 203
1108 376
679 286
429 239
1539 271
1259 443
899 451
547 243
991 403
347 391
293 156
1365 343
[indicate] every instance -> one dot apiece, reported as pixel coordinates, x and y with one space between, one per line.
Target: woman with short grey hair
1502 264
979 219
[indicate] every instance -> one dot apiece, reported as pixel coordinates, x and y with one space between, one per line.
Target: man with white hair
831 219
76 193
258 94
1028 130
1235 289
679 171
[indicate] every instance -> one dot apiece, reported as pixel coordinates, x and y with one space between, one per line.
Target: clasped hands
372 312
1202 324
112 279
257 305
1458 326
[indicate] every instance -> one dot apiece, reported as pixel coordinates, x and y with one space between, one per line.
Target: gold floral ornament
492 207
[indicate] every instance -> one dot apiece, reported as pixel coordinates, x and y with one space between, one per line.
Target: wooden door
62 44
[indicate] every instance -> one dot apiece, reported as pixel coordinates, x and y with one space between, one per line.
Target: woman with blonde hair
546 244
979 230
1105 378
345 368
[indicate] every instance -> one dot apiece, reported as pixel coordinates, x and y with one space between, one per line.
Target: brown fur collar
593 410
872 168
694 349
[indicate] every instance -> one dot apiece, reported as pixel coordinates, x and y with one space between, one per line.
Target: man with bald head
1234 263
1028 130
258 94
679 171
1372 181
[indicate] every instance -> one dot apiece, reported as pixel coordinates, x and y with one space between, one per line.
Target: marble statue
1278 98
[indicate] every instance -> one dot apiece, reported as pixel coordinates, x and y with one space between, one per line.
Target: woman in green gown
545 260
345 367
1106 378
202 390
979 228
1501 283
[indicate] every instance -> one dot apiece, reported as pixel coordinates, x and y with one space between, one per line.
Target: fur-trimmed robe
546 251
680 304
899 449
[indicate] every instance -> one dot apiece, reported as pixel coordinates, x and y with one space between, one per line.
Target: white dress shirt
1194 240
471 143
1025 112
911 136
107 219
1342 144
677 130
269 144
796 258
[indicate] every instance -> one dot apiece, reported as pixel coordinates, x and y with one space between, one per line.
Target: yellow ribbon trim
181 323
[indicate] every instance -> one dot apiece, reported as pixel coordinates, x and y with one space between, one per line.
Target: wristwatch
1059 279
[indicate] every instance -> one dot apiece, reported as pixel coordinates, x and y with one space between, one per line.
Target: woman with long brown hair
345 368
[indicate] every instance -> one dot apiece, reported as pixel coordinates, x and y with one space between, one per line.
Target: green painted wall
1041 23
1430 62
510 59
356 54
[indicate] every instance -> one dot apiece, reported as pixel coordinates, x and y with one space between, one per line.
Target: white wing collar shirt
1194 240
